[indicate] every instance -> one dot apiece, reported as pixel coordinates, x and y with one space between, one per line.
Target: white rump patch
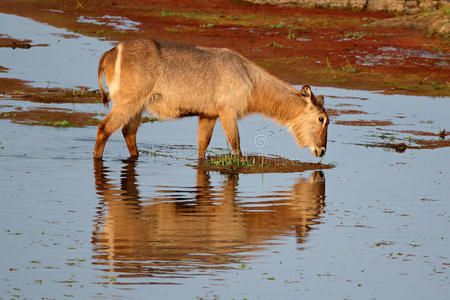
115 85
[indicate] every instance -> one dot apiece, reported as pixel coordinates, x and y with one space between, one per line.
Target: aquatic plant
62 123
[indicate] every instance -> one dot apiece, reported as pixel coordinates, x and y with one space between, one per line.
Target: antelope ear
307 95
306 91
320 100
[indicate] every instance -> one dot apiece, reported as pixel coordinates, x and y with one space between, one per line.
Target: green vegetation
291 35
274 44
110 278
277 26
62 123
165 13
78 93
323 156
446 10
437 85
349 68
149 119
329 66
231 160
354 35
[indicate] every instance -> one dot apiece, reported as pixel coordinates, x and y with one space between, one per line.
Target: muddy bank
364 123
417 144
416 140
15 89
321 47
393 6
6 42
52 117
21 90
432 22
230 164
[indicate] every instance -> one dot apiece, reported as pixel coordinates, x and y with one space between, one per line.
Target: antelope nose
322 151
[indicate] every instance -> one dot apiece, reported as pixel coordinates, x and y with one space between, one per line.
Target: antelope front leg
229 125
205 130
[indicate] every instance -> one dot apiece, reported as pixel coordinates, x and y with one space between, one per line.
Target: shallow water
375 226
70 60
119 23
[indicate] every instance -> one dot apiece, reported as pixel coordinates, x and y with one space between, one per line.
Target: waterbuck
174 80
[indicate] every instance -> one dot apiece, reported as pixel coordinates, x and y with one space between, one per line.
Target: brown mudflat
50 116
6 42
317 46
18 89
253 164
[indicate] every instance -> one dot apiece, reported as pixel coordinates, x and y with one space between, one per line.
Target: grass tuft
62 123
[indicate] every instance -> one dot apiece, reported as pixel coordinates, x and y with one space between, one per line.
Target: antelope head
309 128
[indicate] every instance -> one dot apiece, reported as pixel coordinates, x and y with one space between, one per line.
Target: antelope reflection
205 226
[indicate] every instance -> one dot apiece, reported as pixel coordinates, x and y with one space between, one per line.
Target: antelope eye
321 119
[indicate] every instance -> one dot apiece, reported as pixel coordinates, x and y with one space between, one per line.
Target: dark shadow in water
184 231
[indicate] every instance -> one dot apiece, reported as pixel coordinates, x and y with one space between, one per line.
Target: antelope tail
105 98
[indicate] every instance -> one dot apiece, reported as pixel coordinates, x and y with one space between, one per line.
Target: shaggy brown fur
173 80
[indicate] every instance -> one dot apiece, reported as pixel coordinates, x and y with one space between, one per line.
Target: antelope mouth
318 151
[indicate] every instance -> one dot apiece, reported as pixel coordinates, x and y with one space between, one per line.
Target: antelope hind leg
129 132
205 130
117 117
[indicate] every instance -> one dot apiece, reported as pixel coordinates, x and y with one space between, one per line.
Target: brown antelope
173 80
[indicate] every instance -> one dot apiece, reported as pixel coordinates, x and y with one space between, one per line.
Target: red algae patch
441 134
432 144
66 35
338 112
364 123
352 112
228 163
